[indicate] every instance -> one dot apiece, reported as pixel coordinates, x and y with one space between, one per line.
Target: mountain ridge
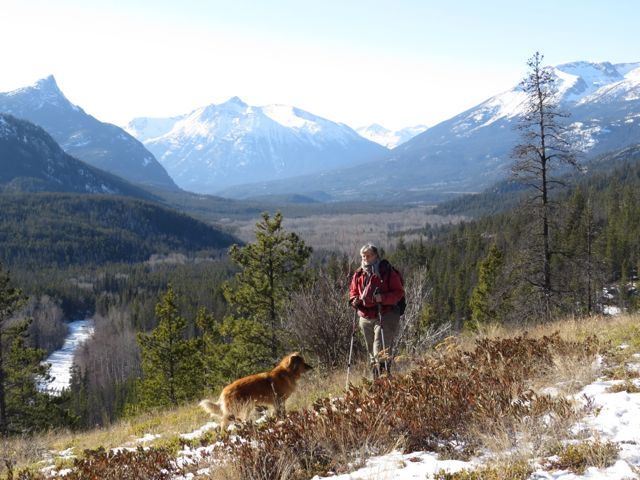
100 144
471 151
31 160
230 143
390 138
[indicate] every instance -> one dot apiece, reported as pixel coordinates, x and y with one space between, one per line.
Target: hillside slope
65 229
100 144
30 160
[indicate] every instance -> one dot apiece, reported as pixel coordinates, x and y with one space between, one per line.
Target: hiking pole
384 348
353 334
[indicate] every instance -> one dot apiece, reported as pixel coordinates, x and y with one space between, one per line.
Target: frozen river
62 360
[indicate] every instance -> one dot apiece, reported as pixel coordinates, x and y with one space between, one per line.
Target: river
62 360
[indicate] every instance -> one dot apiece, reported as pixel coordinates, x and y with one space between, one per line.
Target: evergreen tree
22 407
483 304
170 363
10 300
545 145
271 268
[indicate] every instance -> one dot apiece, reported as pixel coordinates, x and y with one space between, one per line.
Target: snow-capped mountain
232 143
472 150
102 145
146 128
390 138
30 160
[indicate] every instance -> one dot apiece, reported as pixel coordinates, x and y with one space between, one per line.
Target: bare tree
319 319
545 145
415 336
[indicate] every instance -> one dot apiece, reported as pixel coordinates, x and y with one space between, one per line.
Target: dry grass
535 436
526 439
505 470
29 450
627 386
578 456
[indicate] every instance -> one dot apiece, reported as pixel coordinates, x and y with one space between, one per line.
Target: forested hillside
64 229
31 161
596 231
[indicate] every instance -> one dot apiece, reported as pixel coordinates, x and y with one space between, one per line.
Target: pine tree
483 304
10 300
170 363
22 407
271 268
545 145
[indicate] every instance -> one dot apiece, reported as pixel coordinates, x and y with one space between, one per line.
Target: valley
203 246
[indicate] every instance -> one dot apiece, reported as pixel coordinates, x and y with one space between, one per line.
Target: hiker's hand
378 298
356 302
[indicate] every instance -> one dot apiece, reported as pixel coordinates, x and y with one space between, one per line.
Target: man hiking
376 288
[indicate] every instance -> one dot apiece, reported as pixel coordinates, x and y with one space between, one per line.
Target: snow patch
611 310
390 138
398 466
286 116
200 431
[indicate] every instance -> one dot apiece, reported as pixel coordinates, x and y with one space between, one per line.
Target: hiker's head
369 253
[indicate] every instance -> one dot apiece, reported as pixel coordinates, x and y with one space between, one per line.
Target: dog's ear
294 361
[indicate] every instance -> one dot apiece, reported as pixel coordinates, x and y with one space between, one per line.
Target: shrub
577 457
151 464
451 394
627 386
519 470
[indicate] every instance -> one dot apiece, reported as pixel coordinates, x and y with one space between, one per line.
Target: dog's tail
210 407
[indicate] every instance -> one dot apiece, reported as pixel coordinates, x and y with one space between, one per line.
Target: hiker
376 288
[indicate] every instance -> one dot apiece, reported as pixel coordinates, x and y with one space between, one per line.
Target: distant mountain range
102 145
31 161
233 143
390 138
472 150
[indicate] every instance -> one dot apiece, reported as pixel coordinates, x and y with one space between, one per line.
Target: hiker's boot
375 371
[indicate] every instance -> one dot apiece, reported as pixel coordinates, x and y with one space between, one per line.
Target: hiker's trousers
370 328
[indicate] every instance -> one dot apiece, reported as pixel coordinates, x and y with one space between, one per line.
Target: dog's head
294 362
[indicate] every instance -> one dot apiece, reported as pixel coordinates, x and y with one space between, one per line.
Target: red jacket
389 286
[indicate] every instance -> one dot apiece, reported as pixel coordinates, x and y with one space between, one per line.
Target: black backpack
385 268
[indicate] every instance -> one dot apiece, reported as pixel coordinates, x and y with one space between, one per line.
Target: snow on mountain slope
102 145
472 150
232 143
390 138
625 90
147 128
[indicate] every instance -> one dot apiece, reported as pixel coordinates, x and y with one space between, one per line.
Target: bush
442 402
627 386
152 464
577 457
520 470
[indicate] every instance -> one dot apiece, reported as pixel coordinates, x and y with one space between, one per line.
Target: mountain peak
47 83
44 91
375 127
46 88
235 101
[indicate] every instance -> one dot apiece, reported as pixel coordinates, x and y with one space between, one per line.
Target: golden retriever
239 399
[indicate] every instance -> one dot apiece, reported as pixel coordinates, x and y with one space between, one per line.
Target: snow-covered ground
62 360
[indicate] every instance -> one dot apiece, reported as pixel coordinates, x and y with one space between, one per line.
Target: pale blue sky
395 63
